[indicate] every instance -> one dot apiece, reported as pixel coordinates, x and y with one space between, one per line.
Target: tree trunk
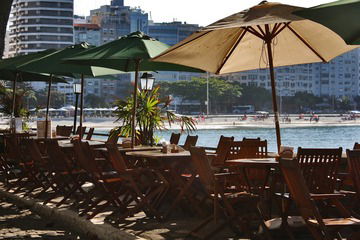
5 8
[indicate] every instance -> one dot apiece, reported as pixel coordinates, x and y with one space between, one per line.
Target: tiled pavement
21 224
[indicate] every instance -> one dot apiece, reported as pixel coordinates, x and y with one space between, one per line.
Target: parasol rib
303 41
232 50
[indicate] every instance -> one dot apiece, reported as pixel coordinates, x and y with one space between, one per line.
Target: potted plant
20 112
151 114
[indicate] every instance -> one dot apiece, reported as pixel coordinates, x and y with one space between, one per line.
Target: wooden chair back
190 142
90 133
86 161
297 186
353 158
78 131
319 168
248 148
64 130
202 167
175 137
113 138
356 146
116 158
58 158
222 150
32 151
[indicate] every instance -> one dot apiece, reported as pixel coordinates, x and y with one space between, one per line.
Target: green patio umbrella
53 64
343 17
130 53
9 71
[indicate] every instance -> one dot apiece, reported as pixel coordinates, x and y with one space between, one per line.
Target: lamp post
77 92
147 81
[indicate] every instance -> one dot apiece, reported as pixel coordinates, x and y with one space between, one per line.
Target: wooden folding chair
175 137
222 151
34 167
146 185
235 207
319 168
112 186
320 228
66 176
90 133
190 142
353 159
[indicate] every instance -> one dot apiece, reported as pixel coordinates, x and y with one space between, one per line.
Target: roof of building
87 25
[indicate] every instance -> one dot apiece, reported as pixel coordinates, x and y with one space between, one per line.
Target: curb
71 220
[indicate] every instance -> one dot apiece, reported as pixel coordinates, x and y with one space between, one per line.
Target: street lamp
77 92
147 81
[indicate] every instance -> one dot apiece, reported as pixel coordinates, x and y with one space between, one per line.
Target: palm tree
5 7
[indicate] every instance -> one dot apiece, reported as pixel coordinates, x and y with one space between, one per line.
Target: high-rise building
87 32
339 77
171 33
36 25
39 25
117 20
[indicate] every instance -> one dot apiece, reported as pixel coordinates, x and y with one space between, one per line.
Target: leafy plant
151 114
6 101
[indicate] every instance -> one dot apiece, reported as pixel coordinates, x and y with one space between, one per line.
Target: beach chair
320 228
232 207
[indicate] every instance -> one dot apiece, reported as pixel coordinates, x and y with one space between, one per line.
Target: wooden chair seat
334 222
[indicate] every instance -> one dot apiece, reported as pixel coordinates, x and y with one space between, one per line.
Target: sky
202 12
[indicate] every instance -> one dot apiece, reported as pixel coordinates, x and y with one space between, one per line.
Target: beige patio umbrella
267 35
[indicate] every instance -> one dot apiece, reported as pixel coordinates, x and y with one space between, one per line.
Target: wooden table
134 149
157 154
270 162
66 144
41 139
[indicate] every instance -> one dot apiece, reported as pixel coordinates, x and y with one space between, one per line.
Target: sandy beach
217 122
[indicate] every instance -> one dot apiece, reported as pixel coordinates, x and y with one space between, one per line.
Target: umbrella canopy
9 71
340 16
9 68
266 35
55 65
129 53
122 53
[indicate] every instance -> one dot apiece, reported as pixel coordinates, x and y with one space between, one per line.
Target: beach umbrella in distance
53 64
267 35
130 53
9 71
343 17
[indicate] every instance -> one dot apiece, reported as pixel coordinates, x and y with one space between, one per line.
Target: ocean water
312 137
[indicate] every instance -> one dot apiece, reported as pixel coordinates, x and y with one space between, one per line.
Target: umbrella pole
81 106
273 92
133 123
14 102
47 106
